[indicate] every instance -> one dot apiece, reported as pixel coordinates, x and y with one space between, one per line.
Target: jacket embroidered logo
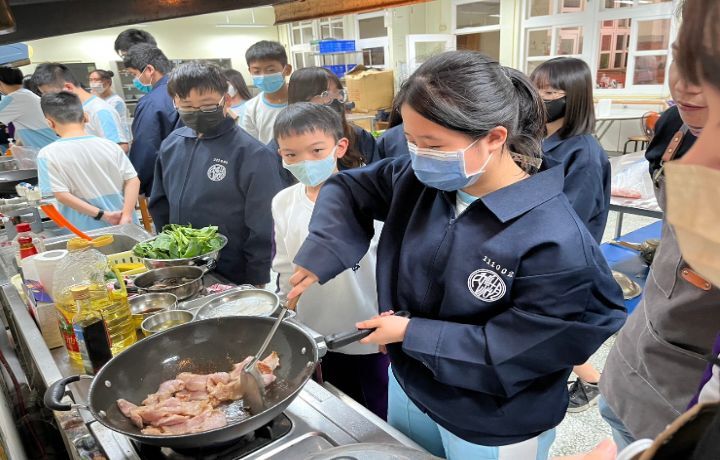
486 285
216 173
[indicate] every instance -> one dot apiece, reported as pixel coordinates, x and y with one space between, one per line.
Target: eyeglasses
551 93
203 109
340 95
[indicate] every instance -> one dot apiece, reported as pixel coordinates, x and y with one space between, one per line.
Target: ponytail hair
471 93
531 127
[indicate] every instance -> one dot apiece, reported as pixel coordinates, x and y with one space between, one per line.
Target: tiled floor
582 431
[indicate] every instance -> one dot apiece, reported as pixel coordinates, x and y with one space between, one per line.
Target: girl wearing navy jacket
565 84
505 287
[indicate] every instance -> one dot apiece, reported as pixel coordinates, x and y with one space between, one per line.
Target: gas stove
320 418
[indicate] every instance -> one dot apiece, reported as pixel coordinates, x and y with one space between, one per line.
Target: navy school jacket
393 143
504 298
364 142
587 177
154 119
226 179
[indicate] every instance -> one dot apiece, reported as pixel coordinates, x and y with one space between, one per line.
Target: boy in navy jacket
211 172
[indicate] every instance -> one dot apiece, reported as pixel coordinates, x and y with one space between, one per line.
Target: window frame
375 42
306 48
471 30
590 20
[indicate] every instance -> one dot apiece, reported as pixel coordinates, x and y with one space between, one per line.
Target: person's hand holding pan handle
300 280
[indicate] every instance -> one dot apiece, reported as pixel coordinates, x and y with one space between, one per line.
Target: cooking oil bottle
86 266
83 266
90 331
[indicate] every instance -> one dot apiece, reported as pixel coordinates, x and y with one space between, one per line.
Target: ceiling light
229 25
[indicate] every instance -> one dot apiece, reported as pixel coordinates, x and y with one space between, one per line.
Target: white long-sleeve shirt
341 302
259 118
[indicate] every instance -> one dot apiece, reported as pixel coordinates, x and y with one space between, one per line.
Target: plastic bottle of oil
85 265
91 331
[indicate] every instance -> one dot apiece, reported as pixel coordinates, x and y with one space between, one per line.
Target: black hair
236 79
63 107
141 55
306 117
574 77
395 117
127 38
265 50
29 84
105 75
55 74
698 42
471 93
306 83
309 82
196 75
11 76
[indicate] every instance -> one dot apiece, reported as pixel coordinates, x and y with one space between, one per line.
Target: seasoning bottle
23 230
27 248
90 331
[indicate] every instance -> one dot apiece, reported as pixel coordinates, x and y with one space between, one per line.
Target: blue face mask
443 170
271 83
142 87
313 172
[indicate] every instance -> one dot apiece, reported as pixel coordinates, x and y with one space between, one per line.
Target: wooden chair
647 123
145 214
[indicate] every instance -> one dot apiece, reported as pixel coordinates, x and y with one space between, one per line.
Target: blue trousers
405 416
621 435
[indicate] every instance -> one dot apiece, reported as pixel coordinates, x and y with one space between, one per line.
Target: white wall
183 38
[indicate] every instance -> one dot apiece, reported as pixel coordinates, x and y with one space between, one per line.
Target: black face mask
337 106
203 122
555 109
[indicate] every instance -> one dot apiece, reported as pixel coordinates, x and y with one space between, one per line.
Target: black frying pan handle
339 340
56 392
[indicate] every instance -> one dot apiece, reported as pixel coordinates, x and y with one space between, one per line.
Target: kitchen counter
321 416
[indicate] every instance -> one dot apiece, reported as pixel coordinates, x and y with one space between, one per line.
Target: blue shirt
226 179
104 121
504 299
393 143
22 109
155 118
587 177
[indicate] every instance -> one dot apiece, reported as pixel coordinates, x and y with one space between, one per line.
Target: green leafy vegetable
180 242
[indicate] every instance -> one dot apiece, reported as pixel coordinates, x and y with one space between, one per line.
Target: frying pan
206 346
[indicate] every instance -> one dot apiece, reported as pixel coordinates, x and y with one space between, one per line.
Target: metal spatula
254 396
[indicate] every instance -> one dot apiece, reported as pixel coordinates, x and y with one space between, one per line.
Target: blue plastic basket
336 46
340 69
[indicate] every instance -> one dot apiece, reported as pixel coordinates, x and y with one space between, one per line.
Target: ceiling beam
301 10
40 19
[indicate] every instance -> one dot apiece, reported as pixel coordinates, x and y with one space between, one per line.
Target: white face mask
232 91
97 87
693 209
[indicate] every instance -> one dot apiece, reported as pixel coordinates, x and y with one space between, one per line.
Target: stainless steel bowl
145 282
240 302
145 305
199 260
165 320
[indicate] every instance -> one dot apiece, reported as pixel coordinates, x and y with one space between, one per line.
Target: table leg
618 225
603 127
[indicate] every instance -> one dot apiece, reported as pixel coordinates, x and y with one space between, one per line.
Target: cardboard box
44 313
370 89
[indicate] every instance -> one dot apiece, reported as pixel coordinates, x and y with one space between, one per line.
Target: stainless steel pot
152 264
144 283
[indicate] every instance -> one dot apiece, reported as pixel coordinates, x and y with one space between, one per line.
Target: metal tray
241 301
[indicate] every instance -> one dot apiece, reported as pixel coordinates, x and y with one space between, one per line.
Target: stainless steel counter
322 416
